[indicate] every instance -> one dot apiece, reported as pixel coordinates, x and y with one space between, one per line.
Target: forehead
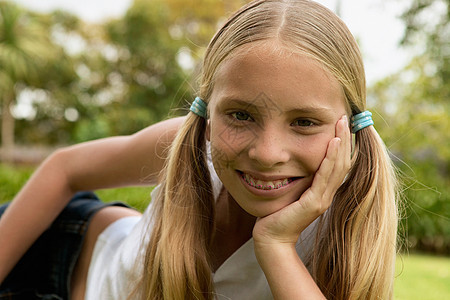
282 75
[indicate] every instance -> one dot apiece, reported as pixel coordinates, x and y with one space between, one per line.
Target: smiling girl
260 192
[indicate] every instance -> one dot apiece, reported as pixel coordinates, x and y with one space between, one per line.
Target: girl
260 193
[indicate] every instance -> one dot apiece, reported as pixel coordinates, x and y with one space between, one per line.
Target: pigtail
176 261
355 252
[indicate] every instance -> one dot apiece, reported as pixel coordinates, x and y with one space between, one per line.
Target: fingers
344 153
342 159
323 178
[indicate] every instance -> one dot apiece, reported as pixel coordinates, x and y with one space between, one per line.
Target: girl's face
272 114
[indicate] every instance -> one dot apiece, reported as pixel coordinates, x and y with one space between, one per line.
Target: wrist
285 272
273 251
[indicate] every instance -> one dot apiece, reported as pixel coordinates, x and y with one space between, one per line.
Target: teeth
270 185
247 178
278 184
266 185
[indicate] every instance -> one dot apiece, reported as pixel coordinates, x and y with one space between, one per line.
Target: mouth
266 185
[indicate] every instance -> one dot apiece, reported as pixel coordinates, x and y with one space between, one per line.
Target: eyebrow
312 109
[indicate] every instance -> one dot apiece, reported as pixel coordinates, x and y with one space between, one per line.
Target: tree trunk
7 127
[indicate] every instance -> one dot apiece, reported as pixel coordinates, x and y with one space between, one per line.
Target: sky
374 23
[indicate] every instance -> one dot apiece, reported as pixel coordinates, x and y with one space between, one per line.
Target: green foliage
149 66
416 129
87 130
30 60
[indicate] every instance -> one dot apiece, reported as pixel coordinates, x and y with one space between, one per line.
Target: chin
264 208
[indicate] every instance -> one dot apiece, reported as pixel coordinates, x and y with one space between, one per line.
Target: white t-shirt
117 260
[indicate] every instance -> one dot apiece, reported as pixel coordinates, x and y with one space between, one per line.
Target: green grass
138 198
422 277
417 276
13 178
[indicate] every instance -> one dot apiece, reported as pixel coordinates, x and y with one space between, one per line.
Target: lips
266 185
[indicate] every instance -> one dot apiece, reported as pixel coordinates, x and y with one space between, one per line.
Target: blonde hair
356 240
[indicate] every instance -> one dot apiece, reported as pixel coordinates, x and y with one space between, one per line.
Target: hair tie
198 107
361 120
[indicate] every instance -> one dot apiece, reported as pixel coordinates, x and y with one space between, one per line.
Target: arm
112 162
287 275
275 236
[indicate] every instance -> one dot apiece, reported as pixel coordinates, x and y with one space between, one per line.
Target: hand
285 225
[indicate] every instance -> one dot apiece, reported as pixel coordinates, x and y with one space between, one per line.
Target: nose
269 148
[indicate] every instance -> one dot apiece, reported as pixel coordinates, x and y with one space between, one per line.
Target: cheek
223 150
231 139
313 150
220 156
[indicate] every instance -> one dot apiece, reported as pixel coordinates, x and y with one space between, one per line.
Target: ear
208 130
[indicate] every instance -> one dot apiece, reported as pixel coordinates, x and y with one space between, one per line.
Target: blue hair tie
361 120
198 107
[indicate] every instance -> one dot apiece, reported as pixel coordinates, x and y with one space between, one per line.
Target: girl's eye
241 116
303 123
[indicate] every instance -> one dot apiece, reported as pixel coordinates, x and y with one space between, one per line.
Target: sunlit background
374 22
77 70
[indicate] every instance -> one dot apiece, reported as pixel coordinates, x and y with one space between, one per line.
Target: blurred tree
28 58
107 79
196 21
427 26
23 49
147 63
415 126
415 104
